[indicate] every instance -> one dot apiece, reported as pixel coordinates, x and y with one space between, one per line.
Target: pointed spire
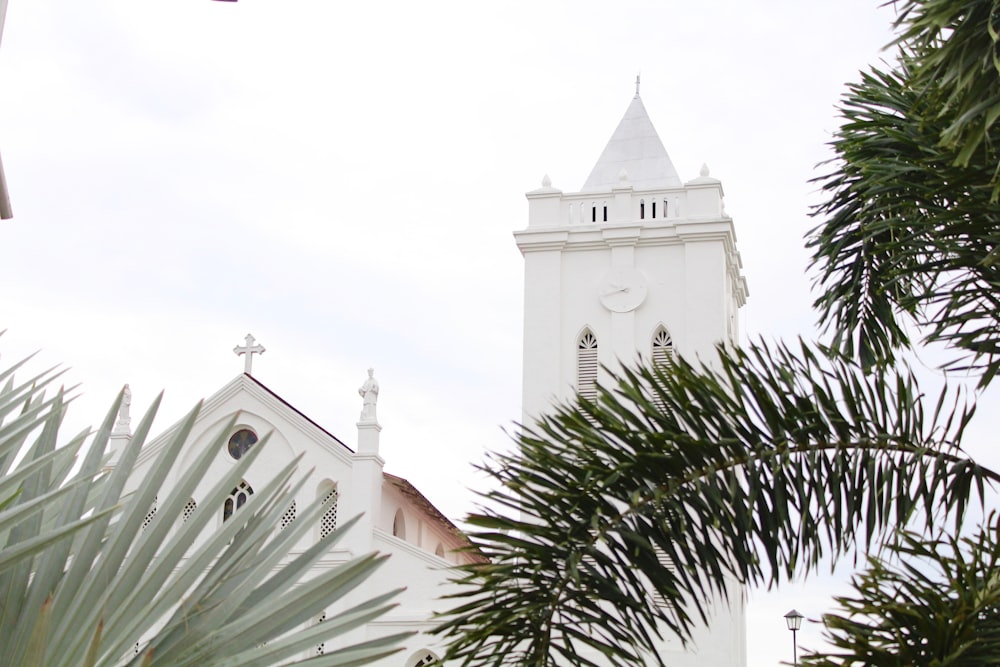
635 147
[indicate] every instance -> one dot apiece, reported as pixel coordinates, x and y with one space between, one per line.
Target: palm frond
923 602
957 48
85 573
910 229
748 473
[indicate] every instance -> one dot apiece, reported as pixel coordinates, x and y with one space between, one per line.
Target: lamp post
794 621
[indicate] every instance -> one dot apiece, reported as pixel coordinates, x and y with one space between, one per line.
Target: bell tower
635 264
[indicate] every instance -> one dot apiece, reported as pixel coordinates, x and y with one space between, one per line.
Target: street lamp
794 621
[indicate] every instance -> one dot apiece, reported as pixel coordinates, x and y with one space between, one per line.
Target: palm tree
753 469
87 579
925 602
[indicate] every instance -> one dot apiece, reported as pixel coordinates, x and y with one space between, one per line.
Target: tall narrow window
663 356
586 366
288 517
189 507
328 522
642 209
605 211
667 564
321 648
663 348
654 209
149 515
399 525
237 498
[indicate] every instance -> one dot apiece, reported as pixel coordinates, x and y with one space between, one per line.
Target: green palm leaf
748 473
80 576
911 227
923 602
754 470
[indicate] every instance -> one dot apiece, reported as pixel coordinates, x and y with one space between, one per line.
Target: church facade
635 264
396 518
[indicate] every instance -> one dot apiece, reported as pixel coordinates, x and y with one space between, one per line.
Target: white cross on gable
250 349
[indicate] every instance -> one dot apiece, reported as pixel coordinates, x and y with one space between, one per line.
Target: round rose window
241 442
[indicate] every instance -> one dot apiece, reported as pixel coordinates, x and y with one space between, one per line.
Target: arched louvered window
667 563
288 517
663 348
149 515
399 525
189 507
586 365
237 498
328 522
663 356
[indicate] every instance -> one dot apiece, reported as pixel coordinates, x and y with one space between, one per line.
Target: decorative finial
637 85
546 181
704 170
623 176
124 416
249 350
369 394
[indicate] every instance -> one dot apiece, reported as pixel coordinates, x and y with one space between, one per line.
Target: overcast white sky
342 180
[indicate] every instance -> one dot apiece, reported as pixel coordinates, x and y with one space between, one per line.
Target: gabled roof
418 499
409 491
295 410
636 148
254 387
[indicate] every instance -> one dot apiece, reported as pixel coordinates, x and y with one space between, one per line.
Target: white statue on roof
124 413
369 393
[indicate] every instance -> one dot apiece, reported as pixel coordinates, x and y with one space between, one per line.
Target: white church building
396 518
637 262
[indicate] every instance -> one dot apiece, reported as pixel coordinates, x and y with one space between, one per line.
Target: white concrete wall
694 288
412 563
689 262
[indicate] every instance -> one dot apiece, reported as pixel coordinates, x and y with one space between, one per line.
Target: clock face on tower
622 290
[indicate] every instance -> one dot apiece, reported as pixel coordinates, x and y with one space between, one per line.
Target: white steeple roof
636 148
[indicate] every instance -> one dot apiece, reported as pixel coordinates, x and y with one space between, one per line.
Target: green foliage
925 602
956 47
83 582
677 482
702 468
911 226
